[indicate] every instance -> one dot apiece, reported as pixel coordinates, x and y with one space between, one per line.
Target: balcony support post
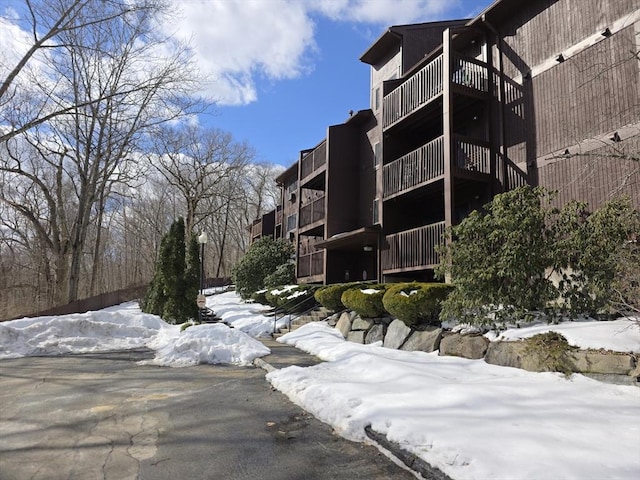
447 125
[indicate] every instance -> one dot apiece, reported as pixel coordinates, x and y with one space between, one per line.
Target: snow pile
622 335
105 330
468 418
214 343
125 327
244 316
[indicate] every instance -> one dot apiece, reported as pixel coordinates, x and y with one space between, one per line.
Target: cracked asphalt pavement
103 416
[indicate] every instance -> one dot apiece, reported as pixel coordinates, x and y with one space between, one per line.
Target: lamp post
202 240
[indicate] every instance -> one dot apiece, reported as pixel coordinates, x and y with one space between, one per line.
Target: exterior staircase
317 314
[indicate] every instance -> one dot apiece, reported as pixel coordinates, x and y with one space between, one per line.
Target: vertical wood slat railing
415 168
279 216
417 91
413 248
470 73
311 264
312 212
515 177
256 228
313 160
470 154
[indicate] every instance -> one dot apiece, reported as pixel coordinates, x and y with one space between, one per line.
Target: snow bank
622 335
244 316
99 331
470 419
125 327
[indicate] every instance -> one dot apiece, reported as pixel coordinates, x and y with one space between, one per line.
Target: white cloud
384 12
237 43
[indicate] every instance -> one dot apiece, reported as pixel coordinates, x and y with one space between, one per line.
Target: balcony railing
470 73
311 264
313 160
417 91
312 212
426 84
471 155
515 177
256 229
413 249
279 216
415 168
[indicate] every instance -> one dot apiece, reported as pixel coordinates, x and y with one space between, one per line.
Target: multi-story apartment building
545 93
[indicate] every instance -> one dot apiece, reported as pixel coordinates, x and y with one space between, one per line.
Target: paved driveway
102 416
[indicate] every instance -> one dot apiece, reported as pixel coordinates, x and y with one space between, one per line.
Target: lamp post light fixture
201 301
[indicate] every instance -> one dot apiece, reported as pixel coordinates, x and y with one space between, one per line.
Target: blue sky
292 114
279 72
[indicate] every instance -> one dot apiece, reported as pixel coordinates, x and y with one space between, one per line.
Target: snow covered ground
470 419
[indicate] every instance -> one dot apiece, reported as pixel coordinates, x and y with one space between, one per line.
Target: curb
258 362
413 462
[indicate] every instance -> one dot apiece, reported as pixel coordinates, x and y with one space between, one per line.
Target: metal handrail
291 305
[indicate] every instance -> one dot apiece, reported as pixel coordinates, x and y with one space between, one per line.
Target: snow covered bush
415 303
365 301
289 296
330 296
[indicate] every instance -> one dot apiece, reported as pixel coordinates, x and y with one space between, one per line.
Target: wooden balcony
412 249
311 213
470 75
414 169
313 162
256 229
417 91
311 264
279 216
472 158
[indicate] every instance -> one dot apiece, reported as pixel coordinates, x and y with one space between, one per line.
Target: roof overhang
388 40
288 173
353 240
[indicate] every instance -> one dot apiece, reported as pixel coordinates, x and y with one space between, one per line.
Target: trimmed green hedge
367 305
330 296
414 302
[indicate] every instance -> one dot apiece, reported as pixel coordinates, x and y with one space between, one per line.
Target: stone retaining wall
609 366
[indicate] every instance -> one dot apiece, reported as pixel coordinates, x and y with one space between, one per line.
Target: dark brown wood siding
540 29
594 92
596 176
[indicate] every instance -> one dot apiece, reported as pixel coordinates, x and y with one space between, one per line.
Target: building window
376 216
376 99
292 222
376 154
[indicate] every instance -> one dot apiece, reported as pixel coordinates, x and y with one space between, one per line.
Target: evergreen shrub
552 351
284 296
284 274
261 260
175 284
415 303
367 305
260 297
330 296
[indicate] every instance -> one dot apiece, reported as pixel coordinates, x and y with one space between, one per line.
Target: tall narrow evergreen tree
192 277
172 292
